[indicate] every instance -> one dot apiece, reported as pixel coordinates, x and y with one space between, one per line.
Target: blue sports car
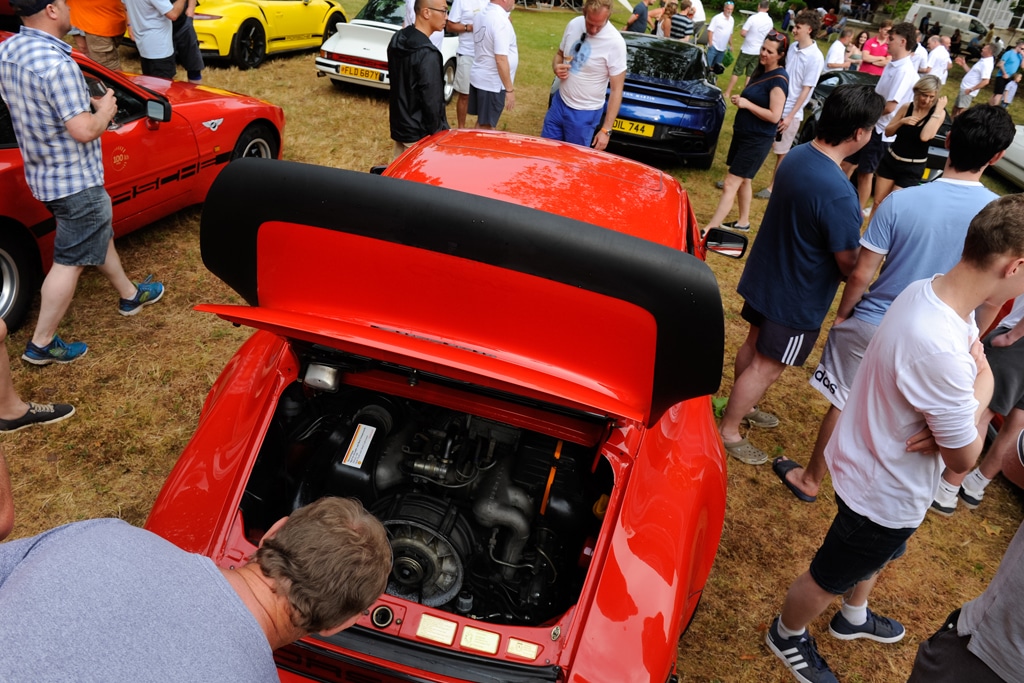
669 107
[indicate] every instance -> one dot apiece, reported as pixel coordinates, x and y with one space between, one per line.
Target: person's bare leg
858 595
805 601
732 83
1002 450
732 184
461 108
747 390
808 479
883 188
744 198
11 405
864 188
57 292
113 271
778 160
848 168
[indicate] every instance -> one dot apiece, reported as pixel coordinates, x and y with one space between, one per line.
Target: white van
969 26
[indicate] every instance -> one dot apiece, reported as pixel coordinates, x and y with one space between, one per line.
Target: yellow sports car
248 30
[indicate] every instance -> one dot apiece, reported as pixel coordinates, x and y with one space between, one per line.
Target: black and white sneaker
800 655
971 499
881 629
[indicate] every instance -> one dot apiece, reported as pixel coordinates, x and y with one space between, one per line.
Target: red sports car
168 142
504 348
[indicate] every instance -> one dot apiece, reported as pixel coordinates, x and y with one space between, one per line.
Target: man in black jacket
417 79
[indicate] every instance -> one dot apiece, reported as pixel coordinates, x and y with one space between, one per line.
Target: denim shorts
855 549
84 227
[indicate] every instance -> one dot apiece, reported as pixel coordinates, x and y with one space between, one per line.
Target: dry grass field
140 389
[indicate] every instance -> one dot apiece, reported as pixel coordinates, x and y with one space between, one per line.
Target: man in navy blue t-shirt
807 243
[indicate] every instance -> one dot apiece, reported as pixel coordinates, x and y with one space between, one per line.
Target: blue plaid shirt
44 88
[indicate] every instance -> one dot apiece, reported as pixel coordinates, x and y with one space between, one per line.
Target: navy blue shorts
787 345
747 154
870 154
855 549
486 106
84 228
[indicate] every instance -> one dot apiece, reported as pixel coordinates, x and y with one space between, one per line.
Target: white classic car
358 52
1011 166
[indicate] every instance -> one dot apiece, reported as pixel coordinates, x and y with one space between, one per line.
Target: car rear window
670 64
384 11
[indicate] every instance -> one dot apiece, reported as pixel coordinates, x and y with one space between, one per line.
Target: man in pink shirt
876 50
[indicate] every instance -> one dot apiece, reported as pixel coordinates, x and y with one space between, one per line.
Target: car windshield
384 11
666 64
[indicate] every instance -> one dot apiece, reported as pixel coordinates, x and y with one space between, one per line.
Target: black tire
331 27
257 140
704 162
338 85
20 277
250 45
449 81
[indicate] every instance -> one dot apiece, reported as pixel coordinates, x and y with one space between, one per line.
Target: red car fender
661 551
203 490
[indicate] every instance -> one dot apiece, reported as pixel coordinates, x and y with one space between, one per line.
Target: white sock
788 633
976 481
855 615
945 495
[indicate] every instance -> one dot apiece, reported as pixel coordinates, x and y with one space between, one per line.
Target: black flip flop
781 466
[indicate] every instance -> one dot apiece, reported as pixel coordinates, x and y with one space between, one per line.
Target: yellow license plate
645 130
356 72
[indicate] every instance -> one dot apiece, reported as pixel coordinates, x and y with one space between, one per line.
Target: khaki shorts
104 50
463 66
783 145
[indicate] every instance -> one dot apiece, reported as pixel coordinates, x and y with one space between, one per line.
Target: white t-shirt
410 18
492 35
757 27
698 11
594 61
916 371
466 12
803 65
151 29
721 28
836 55
938 62
896 84
981 71
919 57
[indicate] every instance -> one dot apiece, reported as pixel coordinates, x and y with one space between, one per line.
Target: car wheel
258 140
704 162
250 48
332 25
449 80
20 276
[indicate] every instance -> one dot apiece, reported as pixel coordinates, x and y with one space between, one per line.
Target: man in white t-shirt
460 22
896 85
495 58
837 59
938 59
976 79
592 54
754 31
720 34
924 376
804 65
151 27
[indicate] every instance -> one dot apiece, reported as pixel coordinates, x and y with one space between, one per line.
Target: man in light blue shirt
918 232
1009 64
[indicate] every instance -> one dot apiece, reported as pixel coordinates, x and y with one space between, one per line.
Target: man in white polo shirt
720 34
938 59
495 58
837 59
460 22
592 54
753 32
976 79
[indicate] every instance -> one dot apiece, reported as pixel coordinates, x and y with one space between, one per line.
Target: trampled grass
140 389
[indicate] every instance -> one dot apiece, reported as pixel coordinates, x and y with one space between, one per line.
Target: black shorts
901 173
161 68
787 345
869 155
1000 85
855 549
1007 363
747 154
486 106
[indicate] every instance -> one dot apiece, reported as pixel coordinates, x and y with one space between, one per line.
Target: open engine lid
477 289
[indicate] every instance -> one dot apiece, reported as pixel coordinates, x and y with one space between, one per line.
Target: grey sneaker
764 194
720 184
800 655
881 629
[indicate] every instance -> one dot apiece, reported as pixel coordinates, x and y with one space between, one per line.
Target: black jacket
417 86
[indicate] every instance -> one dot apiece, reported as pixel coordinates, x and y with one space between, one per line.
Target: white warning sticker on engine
359 445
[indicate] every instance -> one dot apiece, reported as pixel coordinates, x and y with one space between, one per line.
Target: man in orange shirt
103 22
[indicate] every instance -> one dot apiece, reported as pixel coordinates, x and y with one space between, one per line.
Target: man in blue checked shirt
58 127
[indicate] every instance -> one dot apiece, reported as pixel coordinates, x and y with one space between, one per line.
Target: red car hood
386 269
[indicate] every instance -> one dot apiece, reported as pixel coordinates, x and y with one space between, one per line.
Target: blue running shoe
149 292
800 655
881 629
57 351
